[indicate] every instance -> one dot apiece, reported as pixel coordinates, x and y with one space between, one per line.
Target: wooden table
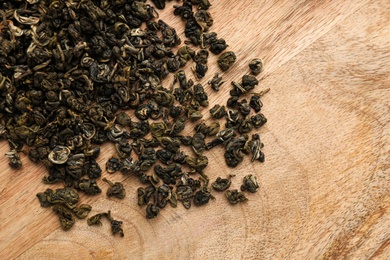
325 183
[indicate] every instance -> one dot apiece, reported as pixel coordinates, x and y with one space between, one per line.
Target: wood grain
325 183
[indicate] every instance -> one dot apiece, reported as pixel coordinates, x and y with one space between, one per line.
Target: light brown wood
325 183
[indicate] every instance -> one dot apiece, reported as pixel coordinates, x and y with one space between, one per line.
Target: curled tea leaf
197 163
66 217
235 196
96 219
116 190
82 211
152 211
202 197
216 82
26 20
14 159
89 186
66 196
255 147
59 155
226 60
204 20
250 183
218 111
256 66
222 184
116 227
113 165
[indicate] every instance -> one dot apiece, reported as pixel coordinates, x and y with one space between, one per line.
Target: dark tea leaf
222 184
116 189
66 217
256 66
250 183
226 60
235 196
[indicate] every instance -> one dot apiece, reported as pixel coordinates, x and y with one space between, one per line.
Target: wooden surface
325 183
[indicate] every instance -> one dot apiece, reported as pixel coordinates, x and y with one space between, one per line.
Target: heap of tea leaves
70 73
